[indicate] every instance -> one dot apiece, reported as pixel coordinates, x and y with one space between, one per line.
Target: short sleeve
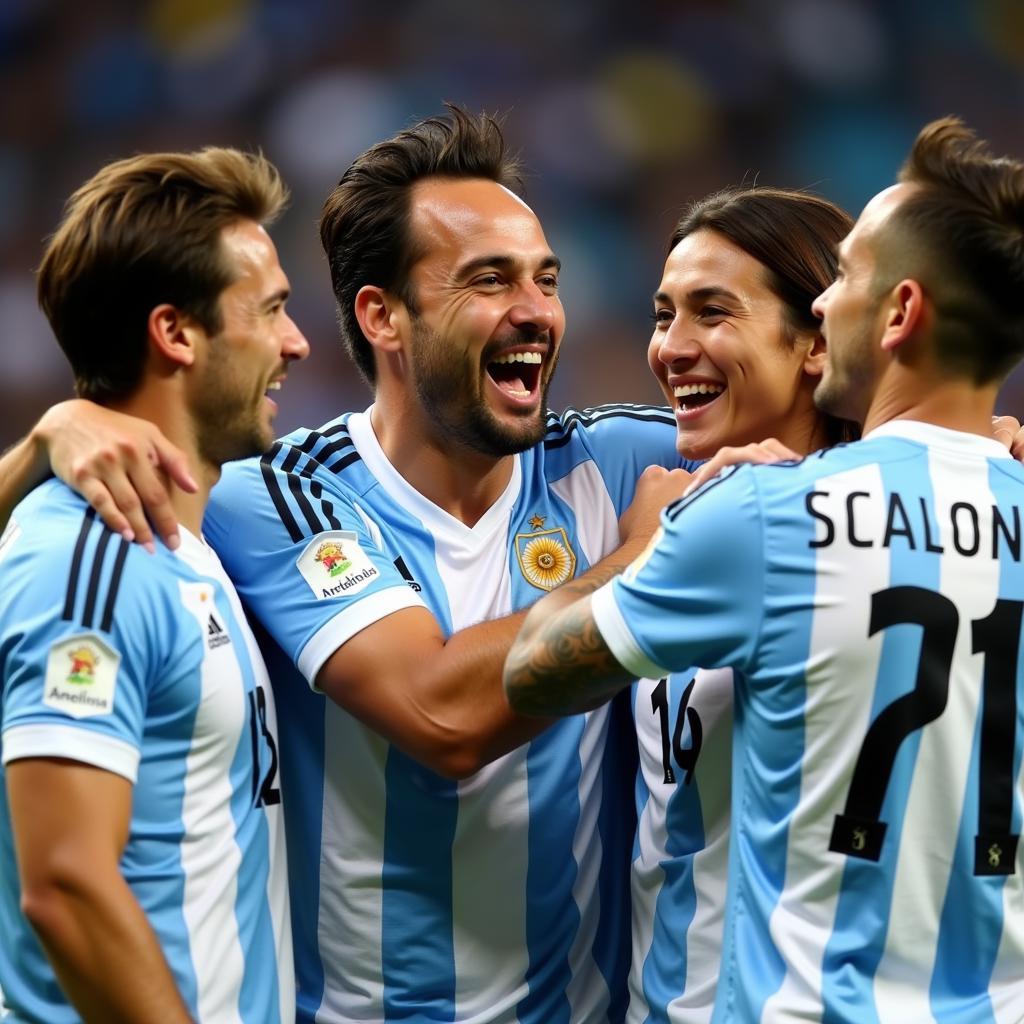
304 558
72 690
695 597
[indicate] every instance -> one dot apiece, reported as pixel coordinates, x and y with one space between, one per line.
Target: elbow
44 904
455 759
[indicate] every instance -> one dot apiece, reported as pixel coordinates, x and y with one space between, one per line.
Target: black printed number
859 830
686 757
264 792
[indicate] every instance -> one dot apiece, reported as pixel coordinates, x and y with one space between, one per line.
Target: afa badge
81 676
545 557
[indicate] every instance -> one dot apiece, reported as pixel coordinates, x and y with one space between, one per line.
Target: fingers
123 466
764 452
1006 429
173 462
112 482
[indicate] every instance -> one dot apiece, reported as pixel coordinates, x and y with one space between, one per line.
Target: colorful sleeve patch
81 676
334 565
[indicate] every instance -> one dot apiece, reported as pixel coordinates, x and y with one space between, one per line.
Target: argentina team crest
545 557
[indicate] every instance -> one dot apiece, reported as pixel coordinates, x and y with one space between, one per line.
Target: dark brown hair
364 226
794 235
961 233
141 232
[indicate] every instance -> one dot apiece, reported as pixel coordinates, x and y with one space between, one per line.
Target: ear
815 356
381 317
173 335
904 314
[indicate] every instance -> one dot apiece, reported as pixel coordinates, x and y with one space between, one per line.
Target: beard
230 421
447 383
846 386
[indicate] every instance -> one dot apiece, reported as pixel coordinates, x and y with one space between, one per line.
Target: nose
533 309
818 305
294 345
678 344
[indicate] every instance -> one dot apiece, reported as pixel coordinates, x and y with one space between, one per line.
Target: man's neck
944 402
172 420
462 482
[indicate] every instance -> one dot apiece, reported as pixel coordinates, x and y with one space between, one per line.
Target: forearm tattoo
565 667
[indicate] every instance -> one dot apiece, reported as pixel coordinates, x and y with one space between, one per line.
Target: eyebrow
281 295
700 294
506 263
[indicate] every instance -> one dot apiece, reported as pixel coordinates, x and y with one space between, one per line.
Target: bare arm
560 663
70 824
118 463
442 701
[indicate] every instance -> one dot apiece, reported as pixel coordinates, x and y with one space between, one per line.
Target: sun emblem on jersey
331 555
546 558
83 665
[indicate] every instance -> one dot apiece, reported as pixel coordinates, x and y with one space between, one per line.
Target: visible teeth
274 386
685 390
520 357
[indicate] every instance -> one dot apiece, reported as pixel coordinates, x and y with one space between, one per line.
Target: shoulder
292 489
620 422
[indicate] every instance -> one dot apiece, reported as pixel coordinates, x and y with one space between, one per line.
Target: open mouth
517 374
692 397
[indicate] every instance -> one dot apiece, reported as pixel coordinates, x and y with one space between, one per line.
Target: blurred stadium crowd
623 112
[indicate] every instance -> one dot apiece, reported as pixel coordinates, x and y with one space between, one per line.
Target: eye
712 313
662 317
548 283
487 281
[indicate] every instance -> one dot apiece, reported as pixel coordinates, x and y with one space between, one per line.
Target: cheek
653 356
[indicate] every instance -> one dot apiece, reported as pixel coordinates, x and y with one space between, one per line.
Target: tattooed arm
560 664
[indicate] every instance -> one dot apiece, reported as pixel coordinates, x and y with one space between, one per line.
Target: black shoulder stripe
328 509
76 564
94 578
115 583
561 435
305 505
276 496
310 517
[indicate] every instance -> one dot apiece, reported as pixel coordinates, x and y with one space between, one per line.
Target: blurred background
623 110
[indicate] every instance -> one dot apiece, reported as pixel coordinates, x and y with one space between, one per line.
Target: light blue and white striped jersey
499 898
870 600
680 860
144 666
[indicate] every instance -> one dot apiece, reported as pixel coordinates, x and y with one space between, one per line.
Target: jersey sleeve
696 596
621 440
75 679
304 557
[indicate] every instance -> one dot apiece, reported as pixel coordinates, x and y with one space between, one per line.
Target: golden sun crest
545 558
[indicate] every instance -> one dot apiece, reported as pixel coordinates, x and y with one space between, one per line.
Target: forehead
251 254
454 220
706 259
874 218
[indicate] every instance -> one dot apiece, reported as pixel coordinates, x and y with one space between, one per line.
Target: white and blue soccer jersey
144 666
680 860
500 898
870 601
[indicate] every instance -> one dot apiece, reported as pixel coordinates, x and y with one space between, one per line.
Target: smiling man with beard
386 556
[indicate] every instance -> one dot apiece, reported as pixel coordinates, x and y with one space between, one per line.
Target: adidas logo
216 634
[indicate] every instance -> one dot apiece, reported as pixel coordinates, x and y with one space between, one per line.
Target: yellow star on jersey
537 522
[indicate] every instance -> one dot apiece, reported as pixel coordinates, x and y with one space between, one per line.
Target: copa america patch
81 676
334 565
